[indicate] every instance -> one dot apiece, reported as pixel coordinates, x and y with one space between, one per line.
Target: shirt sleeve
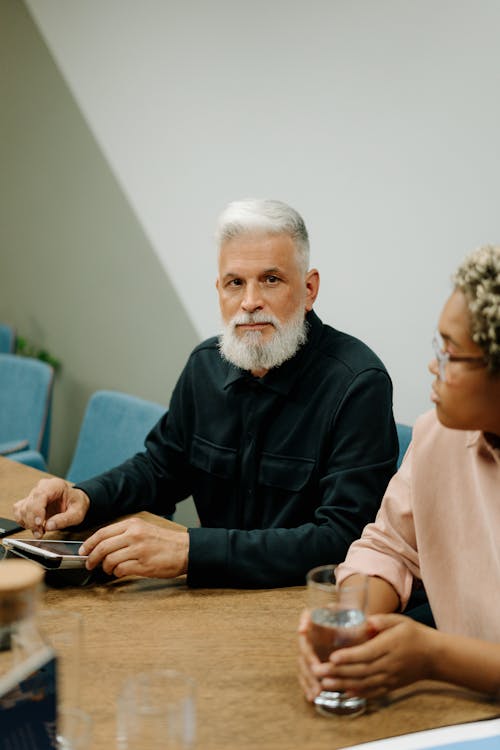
388 547
361 457
154 480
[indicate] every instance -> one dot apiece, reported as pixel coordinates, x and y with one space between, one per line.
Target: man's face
469 399
261 273
263 296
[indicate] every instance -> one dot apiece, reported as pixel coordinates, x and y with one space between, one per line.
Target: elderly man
281 429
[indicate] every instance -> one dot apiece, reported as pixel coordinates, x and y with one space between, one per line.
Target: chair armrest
29 458
13 446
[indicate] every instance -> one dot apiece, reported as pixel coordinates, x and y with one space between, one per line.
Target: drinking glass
63 631
74 729
156 710
337 620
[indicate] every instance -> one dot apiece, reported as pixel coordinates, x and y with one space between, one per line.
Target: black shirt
285 470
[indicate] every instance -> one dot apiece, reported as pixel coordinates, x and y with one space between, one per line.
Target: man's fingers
127 568
107 532
31 511
148 550
70 517
117 560
109 541
31 516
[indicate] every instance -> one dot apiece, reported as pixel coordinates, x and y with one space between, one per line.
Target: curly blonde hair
478 277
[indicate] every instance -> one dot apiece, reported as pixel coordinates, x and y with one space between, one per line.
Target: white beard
250 352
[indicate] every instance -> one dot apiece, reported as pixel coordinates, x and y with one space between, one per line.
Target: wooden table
240 646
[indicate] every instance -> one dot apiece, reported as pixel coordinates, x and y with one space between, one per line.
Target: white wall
376 119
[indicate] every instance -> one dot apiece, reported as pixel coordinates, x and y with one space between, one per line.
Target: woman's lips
434 396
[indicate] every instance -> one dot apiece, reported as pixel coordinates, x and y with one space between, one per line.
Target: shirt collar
281 379
473 438
478 439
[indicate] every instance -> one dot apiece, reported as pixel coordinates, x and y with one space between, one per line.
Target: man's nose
433 367
252 299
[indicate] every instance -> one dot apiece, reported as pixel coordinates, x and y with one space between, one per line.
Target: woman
439 522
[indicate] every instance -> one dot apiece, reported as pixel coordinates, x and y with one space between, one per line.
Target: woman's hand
400 653
308 661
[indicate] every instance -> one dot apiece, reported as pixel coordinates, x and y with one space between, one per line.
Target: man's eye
272 280
234 282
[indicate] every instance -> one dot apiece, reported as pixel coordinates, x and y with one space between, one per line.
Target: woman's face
469 398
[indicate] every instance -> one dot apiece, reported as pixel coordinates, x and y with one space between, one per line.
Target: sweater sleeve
388 547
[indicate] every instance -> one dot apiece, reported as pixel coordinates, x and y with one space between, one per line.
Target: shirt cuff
377 564
207 565
98 513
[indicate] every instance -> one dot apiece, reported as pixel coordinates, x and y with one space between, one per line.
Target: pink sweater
440 522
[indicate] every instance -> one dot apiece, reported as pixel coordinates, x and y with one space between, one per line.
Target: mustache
243 319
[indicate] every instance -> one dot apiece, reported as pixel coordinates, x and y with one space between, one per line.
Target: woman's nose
433 367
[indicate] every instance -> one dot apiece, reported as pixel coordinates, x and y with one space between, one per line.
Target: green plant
26 348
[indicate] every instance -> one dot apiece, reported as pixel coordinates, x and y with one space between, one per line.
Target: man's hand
52 504
135 547
400 653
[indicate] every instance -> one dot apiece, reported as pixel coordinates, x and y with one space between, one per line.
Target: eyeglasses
443 357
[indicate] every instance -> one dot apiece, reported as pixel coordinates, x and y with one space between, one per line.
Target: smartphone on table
53 553
8 526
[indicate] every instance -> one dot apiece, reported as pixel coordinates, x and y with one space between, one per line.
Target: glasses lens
440 354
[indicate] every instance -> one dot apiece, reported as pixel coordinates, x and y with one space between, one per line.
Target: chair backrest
25 401
113 429
404 437
7 338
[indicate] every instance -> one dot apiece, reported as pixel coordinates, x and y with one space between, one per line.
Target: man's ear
312 288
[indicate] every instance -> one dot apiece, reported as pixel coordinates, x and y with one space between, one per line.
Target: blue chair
113 429
418 607
25 408
7 338
404 437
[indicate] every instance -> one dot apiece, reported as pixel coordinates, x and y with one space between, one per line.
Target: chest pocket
285 472
212 458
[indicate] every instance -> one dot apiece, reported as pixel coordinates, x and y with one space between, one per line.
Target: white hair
264 216
250 352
